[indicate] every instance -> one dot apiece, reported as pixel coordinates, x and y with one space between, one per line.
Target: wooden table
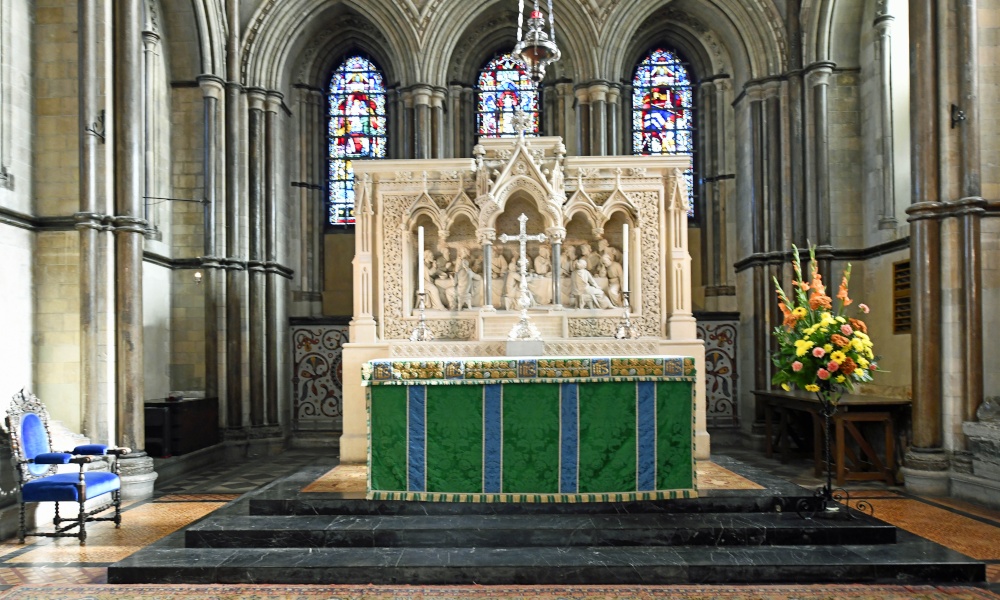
853 454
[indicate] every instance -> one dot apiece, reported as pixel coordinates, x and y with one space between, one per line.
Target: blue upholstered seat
62 487
38 479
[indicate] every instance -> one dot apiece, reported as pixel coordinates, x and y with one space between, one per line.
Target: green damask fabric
454 438
673 444
607 438
388 438
531 438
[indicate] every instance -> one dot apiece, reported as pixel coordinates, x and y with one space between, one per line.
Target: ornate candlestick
626 330
422 332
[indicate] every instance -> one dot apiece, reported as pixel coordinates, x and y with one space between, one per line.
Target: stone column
564 104
234 199
774 206
407 148
613 137
556 235
972 207
137 469
582 121
598 119
883 29
820 81
95 420
438 96
213 90
256 328
150 44
761 341
626 120
422 121
799 200
272 154
486 239
455 145
469 130
926 461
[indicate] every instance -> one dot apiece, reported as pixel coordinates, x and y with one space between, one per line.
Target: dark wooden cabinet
181 426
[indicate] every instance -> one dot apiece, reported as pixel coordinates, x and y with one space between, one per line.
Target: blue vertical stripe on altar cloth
646 434
492 438
416 433
569 438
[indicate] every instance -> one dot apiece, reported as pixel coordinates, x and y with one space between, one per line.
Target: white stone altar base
577 205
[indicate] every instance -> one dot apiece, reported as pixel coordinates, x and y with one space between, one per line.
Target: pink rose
823 374
819 352
864 308
832 367
796 366
846 330
873 367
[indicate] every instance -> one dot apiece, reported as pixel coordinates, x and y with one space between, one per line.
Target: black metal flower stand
828 501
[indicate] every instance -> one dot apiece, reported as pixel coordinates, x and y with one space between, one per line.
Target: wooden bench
854 457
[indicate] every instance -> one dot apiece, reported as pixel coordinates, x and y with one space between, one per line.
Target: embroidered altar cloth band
526 370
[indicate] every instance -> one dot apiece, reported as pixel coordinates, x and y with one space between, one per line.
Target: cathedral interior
177 202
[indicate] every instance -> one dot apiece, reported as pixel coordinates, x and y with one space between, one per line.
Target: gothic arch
826 21
327 50
747 32
280 33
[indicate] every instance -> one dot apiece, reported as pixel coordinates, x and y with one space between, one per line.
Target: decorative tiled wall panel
721 375
317 380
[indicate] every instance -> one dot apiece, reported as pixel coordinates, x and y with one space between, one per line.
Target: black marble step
356 504
905 563
493 531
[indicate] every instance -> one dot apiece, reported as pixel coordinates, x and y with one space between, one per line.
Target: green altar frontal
531 429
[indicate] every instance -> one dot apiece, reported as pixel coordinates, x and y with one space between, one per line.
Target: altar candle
625 256
420 259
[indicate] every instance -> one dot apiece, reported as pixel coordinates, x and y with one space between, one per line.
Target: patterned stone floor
45 568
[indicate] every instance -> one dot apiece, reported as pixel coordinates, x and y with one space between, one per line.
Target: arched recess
493 31
281 34
743 36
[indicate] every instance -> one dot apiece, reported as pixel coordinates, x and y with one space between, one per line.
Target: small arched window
356 130
504 87
663 110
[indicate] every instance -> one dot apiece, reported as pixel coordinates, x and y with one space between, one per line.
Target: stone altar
582 205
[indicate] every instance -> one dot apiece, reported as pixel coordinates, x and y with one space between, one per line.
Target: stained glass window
504 87
356 130
663 110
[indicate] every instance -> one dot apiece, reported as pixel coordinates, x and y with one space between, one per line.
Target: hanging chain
536 7
552 24
520 18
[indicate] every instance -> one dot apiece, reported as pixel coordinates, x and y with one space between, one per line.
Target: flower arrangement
821 349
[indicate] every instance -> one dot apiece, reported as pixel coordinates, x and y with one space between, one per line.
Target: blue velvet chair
38 481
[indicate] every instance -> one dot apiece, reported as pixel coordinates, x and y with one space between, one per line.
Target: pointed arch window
505 86
663 110
356 97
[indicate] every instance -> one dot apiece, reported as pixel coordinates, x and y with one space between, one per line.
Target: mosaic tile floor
46 568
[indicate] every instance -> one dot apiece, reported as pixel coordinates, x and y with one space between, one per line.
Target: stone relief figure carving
465 279
584 290
543 262
615 273
567 261
587 254
499 263
431 274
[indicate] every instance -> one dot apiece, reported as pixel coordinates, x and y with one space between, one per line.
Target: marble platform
280 534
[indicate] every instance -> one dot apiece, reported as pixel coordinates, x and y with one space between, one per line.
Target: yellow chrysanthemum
800 312
841 320
858 345
786 387
828 348
812 387
863 363
803 346
840 379
838 357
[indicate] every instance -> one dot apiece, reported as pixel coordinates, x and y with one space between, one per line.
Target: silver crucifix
523 329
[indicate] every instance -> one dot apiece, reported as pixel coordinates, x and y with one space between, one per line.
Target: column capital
486 236
598 91
212 86
255 98
582 95
150 40
274 101
819 73
421 94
